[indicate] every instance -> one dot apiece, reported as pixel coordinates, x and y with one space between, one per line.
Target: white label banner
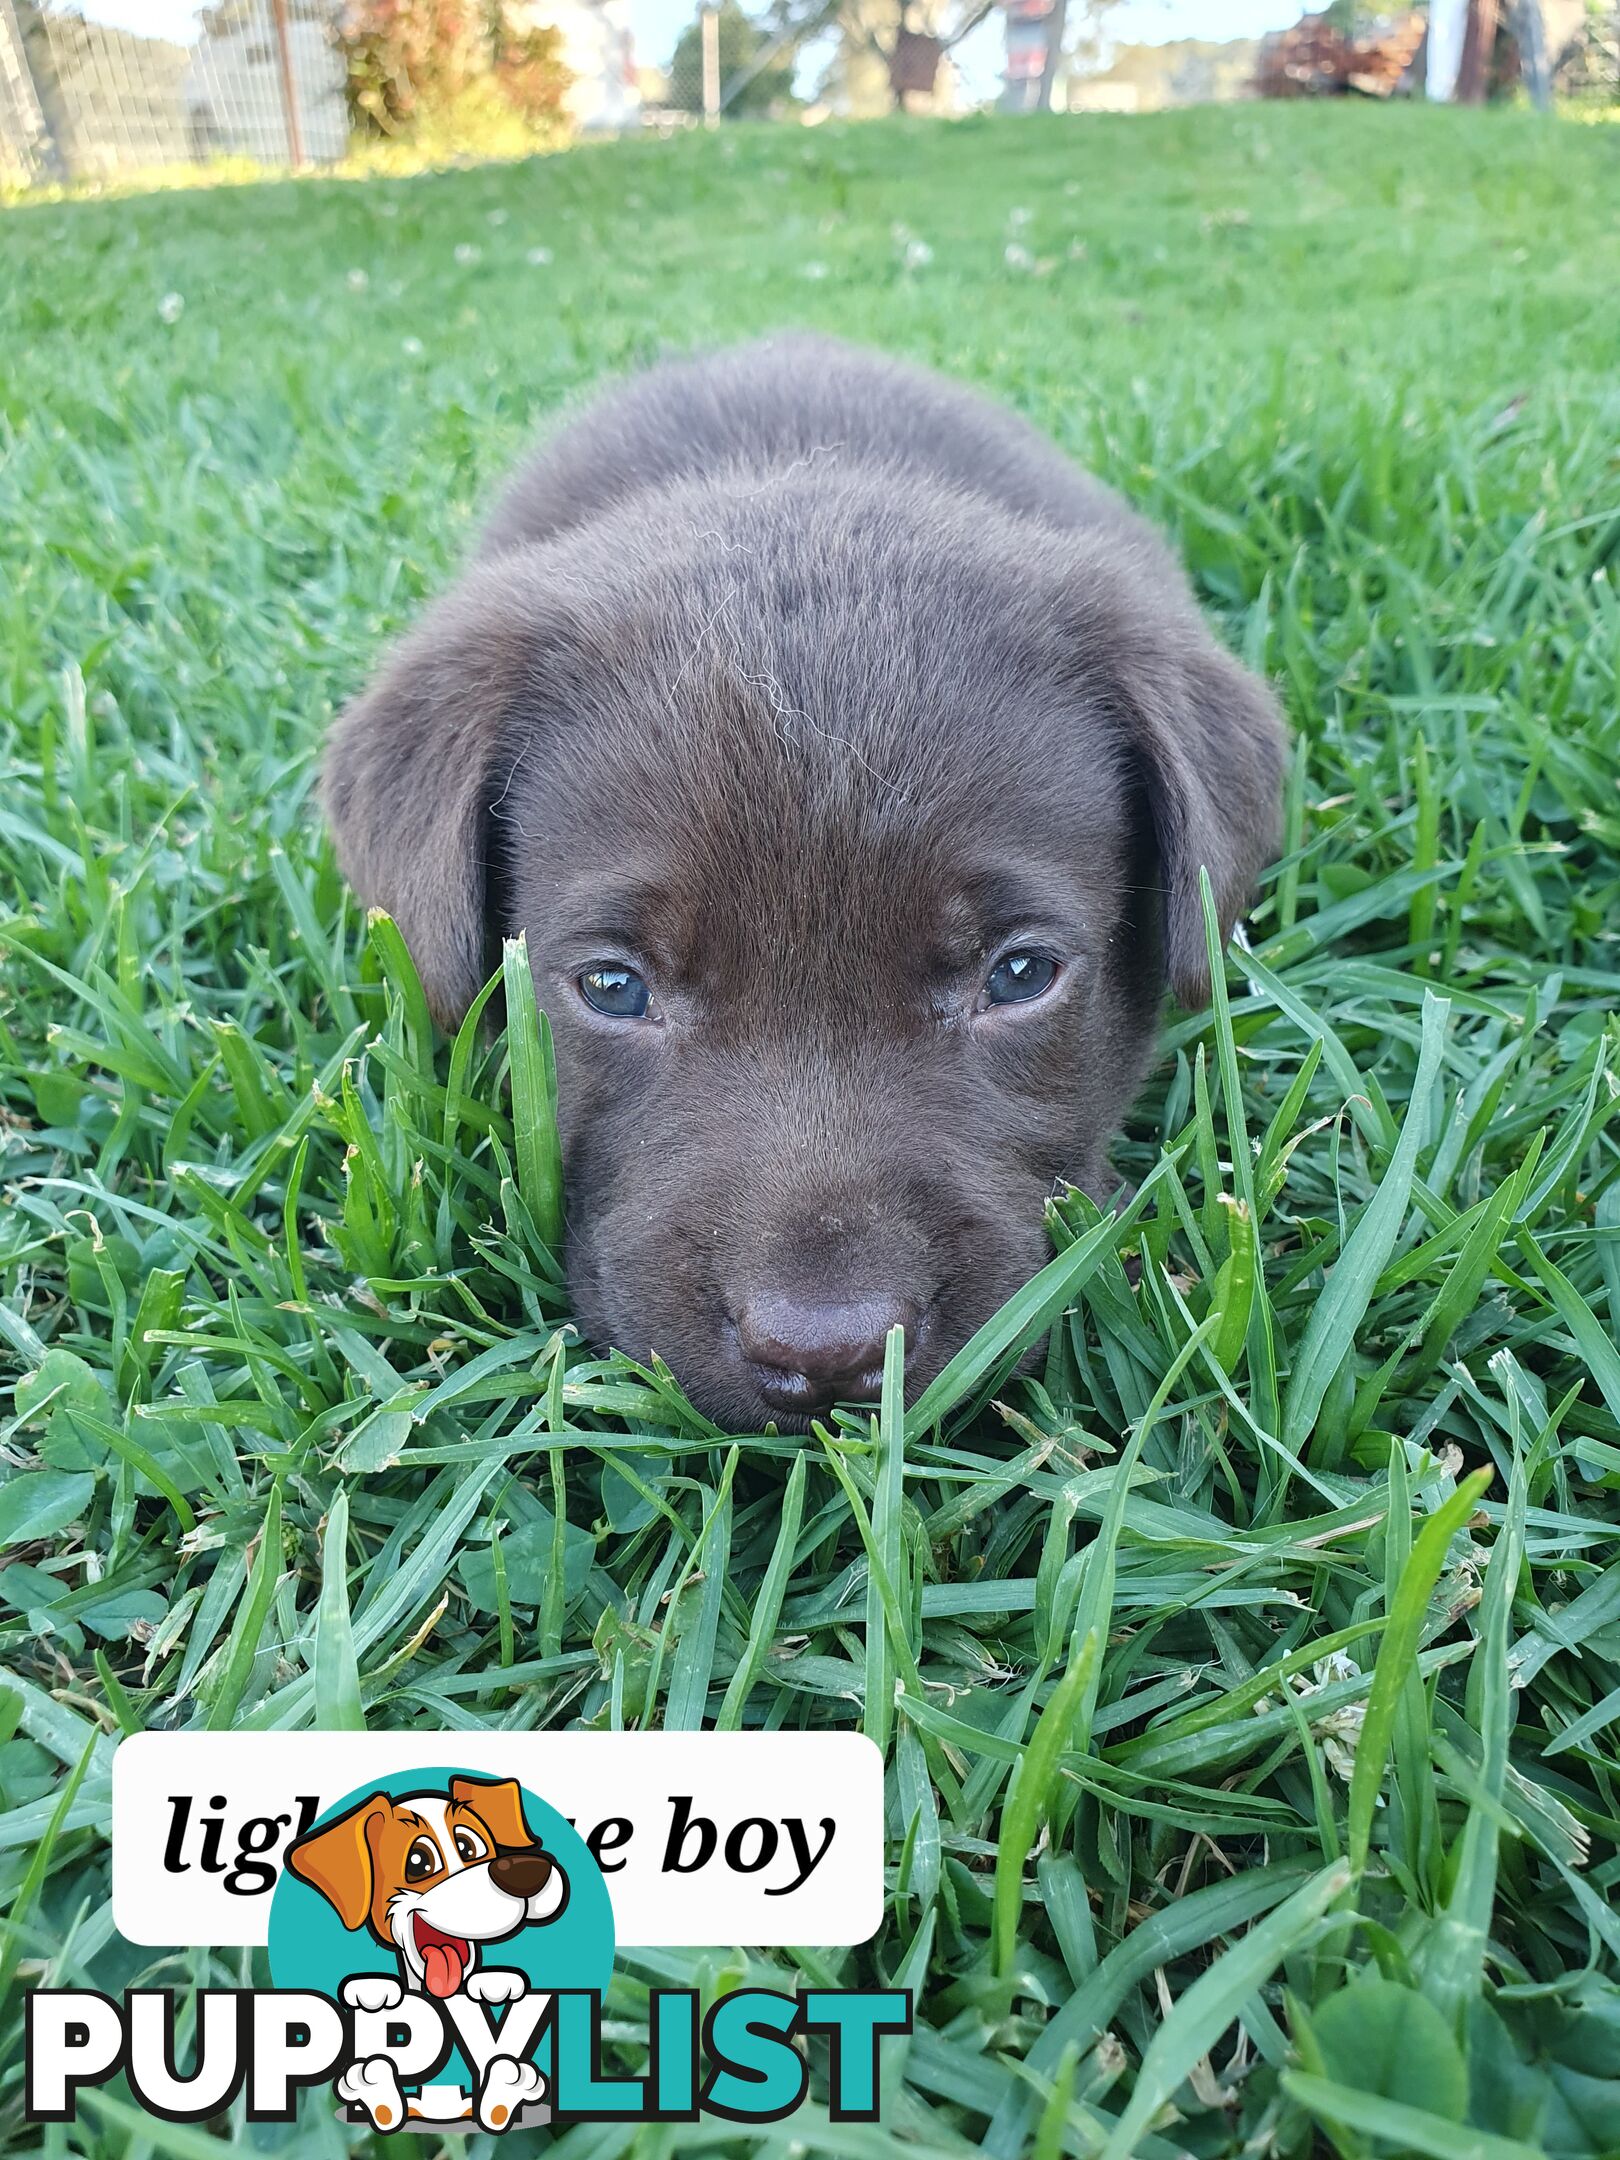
757 1840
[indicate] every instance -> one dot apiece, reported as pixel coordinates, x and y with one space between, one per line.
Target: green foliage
1249 1673
740 40
413 65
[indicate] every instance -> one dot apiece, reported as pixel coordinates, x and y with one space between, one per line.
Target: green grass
1250 1679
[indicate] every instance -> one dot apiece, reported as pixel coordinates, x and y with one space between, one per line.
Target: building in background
1148 78
1095 73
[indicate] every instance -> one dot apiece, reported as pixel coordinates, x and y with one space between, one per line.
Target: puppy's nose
521 1874
807 1355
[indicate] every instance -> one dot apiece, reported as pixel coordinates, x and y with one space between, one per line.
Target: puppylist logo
456 1919
440 1943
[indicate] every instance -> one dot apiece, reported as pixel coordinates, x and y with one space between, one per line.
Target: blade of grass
1409 2129
1030 1789
693 1662
888 1503
534 1097
1025 1316
1216 1999
1402 1632
1338 1313
337 1673
251 1614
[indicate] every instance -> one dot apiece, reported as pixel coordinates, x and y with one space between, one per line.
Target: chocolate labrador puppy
849 757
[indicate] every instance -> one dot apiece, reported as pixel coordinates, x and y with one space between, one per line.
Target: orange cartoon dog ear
499 1804
336 1860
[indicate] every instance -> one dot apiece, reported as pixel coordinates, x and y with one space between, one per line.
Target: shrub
411 62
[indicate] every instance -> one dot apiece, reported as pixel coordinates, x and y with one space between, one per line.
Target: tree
1531 33
912 50
409 60
1056 23
744 44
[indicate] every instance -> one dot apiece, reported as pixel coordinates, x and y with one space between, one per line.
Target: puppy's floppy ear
337 1860
412 767
1211 746
499 1802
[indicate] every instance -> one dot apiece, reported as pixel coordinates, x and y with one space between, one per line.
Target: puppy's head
433 1875
856 830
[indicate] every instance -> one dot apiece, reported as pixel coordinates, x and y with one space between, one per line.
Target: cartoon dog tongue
445 1959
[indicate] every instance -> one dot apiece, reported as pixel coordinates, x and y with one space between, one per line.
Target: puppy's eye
469 1846
1019 977
422 1860
619 992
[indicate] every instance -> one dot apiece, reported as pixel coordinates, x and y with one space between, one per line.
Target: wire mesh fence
92 89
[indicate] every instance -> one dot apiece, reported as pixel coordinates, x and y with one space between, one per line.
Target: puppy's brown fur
806 684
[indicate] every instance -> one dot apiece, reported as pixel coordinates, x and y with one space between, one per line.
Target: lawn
1300 1553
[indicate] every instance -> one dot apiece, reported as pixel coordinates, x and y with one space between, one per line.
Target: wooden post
711 67
1534 66
1479 43
54 149
1448 25
289 87
1055 23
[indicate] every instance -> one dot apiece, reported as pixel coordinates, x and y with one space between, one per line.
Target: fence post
711 67
1531 32
1052 58
289 87
1479 42
39 64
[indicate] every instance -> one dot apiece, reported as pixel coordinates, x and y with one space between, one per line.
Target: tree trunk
1055 24
1531 33
1479 42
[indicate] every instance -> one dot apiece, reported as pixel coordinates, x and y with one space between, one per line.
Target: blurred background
96 90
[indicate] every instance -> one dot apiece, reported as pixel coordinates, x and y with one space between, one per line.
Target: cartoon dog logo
436 1877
